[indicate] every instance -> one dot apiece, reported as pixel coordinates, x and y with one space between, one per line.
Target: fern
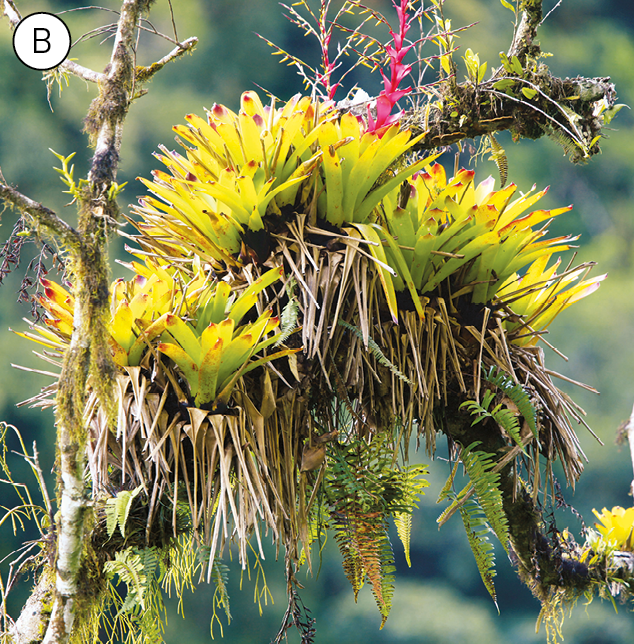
501 161
477 528
481 515
290 314
517 394
487 488
377 559
317 530
376 352
118 508
411 484
220 576
505 418
128 565
363 491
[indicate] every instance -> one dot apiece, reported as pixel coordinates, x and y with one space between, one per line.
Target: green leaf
529 92
505 61
508 5
516 66
118 509
482 71
504 84
610 113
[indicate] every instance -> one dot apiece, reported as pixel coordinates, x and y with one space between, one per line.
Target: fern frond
487 488
345 533
117 510
403 523
501 161
378 561
564 139
128 566
476 528
503 416
411 485
517 394
290 314
317 530
220 577
363 491
376 352
509 422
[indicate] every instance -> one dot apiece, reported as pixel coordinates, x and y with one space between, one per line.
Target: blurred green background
440 599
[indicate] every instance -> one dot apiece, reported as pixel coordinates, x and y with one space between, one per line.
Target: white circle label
41 41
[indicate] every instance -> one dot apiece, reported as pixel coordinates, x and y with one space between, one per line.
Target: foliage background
440 599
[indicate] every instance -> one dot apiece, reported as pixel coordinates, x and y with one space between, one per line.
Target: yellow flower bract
617 527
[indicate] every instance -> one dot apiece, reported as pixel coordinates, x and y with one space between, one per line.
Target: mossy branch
552 565
88 356
144 74
41 216
559 108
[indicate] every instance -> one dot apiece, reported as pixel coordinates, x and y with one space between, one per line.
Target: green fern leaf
376 352
128 565
363 491
290 314
411 485
501 161
506 419
517 394
220 577
487 488
476 528
403 523
118 508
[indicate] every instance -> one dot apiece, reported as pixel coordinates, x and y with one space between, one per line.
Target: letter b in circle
41 35
41 41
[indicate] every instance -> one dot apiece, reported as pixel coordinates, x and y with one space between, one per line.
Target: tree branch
565 110
42 216
524 36
530 105
547 563
144 74
11 12
88 352
80 71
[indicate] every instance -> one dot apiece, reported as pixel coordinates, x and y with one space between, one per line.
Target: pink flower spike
397 95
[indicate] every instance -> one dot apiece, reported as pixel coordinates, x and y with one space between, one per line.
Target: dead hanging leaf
292 363
313 457
268 395
326 438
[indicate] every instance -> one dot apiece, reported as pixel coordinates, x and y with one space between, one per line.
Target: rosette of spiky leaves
57 321
360 168
537 297
212 349
213 362
135 305
437 229
236 170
